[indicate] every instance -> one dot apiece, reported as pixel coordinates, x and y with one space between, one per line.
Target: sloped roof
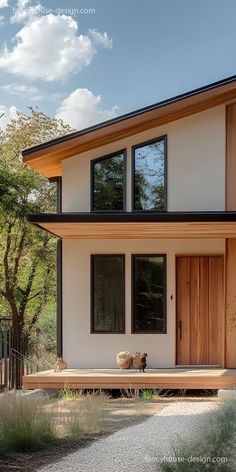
47 157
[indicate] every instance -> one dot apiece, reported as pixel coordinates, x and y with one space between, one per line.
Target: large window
108 293
149 168
149 313
108 183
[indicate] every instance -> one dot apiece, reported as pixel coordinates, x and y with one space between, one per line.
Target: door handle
180 329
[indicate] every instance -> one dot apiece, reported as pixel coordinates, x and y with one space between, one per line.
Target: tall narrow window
108 293
108 183
149 167
55 196
149 314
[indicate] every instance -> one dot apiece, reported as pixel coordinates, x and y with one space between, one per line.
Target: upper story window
108 182
149 175
56 187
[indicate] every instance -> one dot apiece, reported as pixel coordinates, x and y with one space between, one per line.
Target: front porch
178 378
197 323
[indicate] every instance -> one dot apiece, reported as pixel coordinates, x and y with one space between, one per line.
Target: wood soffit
47 158
131 226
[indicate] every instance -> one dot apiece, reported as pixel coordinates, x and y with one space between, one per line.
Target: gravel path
132 449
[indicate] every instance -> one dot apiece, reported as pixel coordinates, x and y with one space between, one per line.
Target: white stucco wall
82 349
195 158
196 181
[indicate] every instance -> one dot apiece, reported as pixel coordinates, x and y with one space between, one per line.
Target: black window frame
133 317
92 163
92 257
58 181
133 149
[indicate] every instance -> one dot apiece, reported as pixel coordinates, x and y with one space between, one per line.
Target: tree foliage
27 254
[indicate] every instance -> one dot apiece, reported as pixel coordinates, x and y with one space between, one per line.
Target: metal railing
13 364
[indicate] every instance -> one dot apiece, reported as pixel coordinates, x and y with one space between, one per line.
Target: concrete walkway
134 449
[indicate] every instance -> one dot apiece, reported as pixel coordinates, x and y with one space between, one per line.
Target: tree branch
18 256
42 300
34 296
26 292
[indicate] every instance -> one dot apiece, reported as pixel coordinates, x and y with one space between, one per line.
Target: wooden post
230 247
231 157
230 304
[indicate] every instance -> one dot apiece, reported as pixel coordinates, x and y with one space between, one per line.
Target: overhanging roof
170 225
46 158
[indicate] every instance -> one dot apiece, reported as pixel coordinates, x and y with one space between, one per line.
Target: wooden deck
191 378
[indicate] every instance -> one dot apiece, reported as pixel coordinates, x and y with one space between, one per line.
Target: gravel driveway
132 449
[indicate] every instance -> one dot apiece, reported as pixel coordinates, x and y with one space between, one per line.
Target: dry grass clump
214 449
140 407
27 422
24 423
90 416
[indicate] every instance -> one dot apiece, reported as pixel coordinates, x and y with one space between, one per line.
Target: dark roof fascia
126 116
135 217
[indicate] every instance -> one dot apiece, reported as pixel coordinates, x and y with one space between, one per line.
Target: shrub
24 423
149 394
68 394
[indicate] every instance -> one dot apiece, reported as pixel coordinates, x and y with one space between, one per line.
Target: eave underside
47 158
138 226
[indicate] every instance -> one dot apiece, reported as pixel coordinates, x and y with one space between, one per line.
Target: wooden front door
200 287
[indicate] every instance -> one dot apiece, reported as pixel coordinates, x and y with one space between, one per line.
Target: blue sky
125 54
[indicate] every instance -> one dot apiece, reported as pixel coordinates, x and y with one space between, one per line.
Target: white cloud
6 114
23 14
50 48
23 3
82 109
24 91
1 20
3 3
101 39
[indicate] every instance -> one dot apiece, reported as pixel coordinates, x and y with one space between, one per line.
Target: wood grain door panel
194 310
203 310
183 307
216 284
199 285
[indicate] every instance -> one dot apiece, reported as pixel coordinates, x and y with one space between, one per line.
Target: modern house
147 228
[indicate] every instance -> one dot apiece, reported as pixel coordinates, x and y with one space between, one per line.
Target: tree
27 254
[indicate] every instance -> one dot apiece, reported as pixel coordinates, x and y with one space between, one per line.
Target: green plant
24 423
216 441
149 394
68 394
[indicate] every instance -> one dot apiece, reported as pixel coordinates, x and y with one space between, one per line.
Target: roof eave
47 157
